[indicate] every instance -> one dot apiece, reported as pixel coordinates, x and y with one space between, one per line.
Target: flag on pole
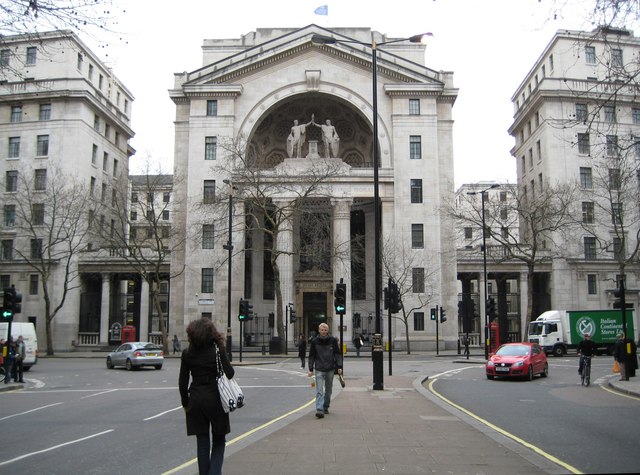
323 10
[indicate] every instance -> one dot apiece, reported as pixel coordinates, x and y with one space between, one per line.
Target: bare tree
415 278
51 223
144 236
523 227
272 196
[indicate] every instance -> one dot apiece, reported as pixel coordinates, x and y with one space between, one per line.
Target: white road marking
32 410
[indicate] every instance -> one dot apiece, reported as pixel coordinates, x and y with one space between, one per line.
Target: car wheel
530 374
558 351
129 365
490 376
545 372
158 366
109 363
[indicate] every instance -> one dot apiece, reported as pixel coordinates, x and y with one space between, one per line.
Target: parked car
136 354
521 360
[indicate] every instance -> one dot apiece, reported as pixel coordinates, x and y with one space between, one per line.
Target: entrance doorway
314 305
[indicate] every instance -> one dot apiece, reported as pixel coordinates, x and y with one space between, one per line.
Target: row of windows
7 249
101 82
166 197
31 54
17 112
37 215
150 215
34 279
589 215
591 251
39 180
42 146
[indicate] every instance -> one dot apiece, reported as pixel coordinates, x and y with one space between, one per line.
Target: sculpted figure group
296 138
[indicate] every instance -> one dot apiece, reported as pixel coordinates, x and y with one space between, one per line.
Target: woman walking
201 400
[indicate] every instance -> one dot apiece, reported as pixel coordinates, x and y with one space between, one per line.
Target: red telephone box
128 333
494 336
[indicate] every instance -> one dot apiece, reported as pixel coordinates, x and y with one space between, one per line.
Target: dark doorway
315 310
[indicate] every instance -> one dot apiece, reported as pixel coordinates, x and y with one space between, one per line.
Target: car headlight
490 363
519 363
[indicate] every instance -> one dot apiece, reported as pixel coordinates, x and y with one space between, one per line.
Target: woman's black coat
201 400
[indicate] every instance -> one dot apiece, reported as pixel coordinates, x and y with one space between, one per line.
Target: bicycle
586 370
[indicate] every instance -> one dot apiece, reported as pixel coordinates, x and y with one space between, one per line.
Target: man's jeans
324 388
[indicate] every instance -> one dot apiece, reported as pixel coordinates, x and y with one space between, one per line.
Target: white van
28 332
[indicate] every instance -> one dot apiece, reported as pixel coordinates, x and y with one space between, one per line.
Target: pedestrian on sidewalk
21 352
201 400
176 344
326 359
357 342
9 360
302 349
620 355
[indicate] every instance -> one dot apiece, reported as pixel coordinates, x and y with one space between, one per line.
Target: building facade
274 173
577 122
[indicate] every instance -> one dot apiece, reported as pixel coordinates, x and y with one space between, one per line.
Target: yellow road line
618 393
517 439
244 436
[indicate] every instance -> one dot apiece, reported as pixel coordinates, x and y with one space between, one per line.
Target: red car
518 360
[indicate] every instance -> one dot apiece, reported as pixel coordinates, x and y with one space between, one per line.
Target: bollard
264 350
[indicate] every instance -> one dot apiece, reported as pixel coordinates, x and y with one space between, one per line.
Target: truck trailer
557 331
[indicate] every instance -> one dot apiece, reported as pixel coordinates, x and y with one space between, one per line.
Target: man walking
325 358
21 352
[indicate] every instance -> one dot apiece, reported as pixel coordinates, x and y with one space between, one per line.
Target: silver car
136 354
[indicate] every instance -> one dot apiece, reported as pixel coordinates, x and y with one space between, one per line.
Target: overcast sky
490 45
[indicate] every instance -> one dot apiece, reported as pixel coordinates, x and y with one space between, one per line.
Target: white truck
557 331
28 332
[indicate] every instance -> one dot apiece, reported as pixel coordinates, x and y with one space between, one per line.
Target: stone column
285 261
144 311
104 309
342 257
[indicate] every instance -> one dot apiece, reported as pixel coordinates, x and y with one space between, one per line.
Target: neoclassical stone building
270 91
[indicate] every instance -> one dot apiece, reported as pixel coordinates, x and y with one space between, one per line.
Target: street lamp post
377 354
229 247
484 266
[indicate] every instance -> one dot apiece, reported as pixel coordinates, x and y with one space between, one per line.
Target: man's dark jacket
324 354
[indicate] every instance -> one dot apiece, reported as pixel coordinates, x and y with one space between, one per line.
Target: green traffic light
7 314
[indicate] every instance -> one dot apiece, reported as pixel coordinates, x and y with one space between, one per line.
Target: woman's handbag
616 366
231 395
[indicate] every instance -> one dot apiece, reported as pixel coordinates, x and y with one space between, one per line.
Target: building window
209 191
43 146
14 147
7 250
417 280
150 197
615 180
616 58
79 61
31 55
90 72
612 145
616 213
5 55
40 180
418 321
586 180
415 147
590 247
11 181
37 214
212 108
592 286
618 249
96 123
635 114
416 190
115 167
45 112
538 151
103 193
100 81
165 214
92 186
207 236
134 216
414 106
166 196
16 114
468 232
504 213
583 144
134 197
210 145
107 130
206 285
588 212
417 236
33 284
105 161
36 248
636 146
581 112
590 54
9 215
609 114
94 154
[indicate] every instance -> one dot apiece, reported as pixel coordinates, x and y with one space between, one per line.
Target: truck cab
547 331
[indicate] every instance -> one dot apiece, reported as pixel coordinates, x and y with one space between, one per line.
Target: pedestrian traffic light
245 310
386 298
8 304
340 301
395 303
292 315
433 314
17 302
491 308
620 301
443 315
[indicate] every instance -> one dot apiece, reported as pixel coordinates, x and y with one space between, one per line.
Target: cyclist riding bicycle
586 348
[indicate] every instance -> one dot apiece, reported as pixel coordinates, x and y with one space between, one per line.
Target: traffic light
491 308
292 315
395 304
433 314
8 304
386 297
340 301
245 310
621 300
443 315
